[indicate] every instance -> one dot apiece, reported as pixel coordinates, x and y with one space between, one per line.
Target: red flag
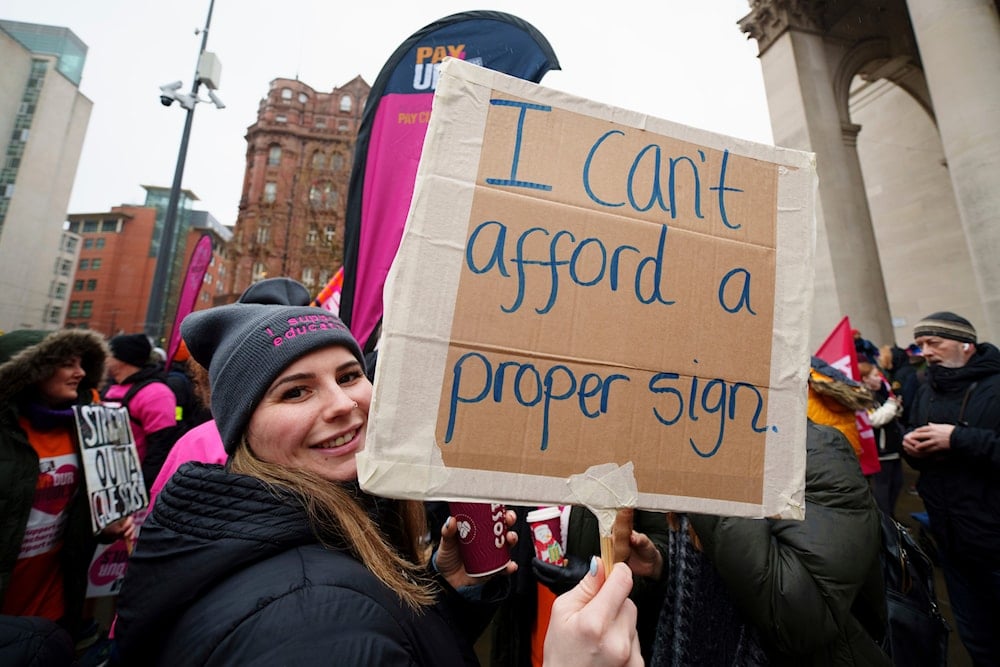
838 351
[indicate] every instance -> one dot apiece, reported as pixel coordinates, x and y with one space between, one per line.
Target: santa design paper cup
482 537
546 533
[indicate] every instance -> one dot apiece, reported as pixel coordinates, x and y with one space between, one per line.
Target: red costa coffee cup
482 537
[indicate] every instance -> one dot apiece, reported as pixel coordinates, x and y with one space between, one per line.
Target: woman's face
62 386
314 415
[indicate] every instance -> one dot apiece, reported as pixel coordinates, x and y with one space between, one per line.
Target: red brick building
114 273
298 167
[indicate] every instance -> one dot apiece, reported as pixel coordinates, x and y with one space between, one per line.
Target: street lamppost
207 72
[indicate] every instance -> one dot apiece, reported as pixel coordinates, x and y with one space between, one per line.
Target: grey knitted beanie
277 291
245 346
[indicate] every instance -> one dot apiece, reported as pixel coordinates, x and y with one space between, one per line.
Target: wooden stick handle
607 553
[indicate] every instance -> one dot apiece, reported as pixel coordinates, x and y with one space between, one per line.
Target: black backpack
917 633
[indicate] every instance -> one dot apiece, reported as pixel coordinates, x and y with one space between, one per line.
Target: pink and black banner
391 137
201 257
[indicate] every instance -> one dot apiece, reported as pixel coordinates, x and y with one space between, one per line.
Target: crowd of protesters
261 547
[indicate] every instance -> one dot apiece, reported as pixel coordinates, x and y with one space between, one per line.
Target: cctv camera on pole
168 92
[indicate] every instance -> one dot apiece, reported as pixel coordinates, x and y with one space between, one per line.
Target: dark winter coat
811 590
31 641
961 487
26 358
225 573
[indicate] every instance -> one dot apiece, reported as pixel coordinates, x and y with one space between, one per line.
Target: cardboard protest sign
115 485
593 306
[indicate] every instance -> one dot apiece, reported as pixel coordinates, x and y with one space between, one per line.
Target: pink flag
201 256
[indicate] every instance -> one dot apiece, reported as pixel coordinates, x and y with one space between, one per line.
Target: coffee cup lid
543 514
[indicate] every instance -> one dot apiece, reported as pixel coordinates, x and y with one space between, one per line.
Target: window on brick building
323 196
307 277
274 155
109 226
263 234
99 243
337 163
303 98
88 243
84 265
259 271
270 191
91 285
95 263
318 160
74 309
286 93
90 226
78 285
312 234
346 102
329 232
86 309
281 118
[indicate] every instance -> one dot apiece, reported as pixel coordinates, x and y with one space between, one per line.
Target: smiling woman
45 530
314 419
281 555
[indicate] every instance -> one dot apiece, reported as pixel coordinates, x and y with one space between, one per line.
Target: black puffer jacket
812 589
961 487
27 357
226 574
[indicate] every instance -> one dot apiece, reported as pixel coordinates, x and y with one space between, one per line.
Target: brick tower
291 214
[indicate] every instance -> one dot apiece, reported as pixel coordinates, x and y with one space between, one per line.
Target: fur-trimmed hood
28 356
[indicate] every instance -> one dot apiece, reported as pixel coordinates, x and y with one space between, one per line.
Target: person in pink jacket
202 443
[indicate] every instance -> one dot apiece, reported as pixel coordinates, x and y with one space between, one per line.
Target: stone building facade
899 100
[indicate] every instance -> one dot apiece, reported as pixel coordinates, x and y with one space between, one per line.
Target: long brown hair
339 520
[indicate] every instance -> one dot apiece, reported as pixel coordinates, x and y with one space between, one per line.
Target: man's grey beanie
245 346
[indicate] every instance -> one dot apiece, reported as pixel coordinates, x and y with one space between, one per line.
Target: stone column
959 44
805 116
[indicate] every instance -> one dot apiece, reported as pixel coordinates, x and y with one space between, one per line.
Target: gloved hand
560 578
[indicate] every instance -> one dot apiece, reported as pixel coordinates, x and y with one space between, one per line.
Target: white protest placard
115 486
593 306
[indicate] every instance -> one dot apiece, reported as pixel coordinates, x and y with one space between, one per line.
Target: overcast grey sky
682 60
